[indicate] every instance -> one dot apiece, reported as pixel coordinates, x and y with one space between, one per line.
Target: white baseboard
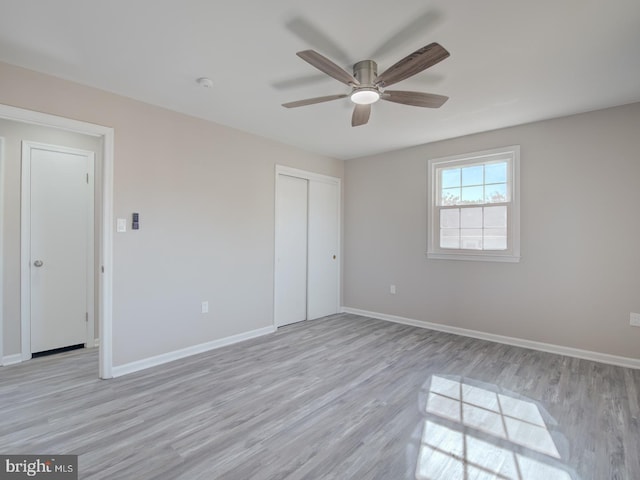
517 342
138 365
11 359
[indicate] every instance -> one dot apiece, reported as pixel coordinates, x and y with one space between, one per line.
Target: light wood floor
344 397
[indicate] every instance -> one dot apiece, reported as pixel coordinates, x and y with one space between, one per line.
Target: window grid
483 184
490 237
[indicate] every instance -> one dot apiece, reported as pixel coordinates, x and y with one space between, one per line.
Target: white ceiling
512 61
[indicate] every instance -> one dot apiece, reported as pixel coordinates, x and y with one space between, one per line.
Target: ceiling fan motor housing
366 92
366 72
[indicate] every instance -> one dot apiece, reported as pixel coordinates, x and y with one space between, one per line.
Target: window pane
496 193
450 196
471 218
450 177
472 195
473 175
450 238
450 218
495 217
495 173
495 238
471 238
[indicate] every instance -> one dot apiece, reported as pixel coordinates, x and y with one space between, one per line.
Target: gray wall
205 194
578 278
14 133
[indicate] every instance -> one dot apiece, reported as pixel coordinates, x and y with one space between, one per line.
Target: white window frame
512 253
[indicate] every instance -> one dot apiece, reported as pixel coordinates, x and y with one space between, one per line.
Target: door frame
25 243
1 250
105 243
310 176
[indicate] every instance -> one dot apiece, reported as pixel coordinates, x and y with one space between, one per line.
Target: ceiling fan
367 87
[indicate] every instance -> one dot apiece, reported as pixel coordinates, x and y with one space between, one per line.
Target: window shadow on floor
475 430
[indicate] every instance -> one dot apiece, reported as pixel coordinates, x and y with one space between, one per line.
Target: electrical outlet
205 307
634 319
392 289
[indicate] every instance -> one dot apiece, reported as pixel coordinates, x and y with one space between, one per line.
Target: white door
59 222
322 280
291 250
307 276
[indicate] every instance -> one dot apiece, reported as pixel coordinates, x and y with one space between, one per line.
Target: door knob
38 263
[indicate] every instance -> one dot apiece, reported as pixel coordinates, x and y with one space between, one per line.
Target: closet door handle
38 263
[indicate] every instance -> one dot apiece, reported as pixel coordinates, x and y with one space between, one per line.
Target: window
473 206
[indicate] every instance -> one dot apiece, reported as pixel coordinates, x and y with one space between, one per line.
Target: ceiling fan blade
417 99
311 101
411 64
327 66
361 114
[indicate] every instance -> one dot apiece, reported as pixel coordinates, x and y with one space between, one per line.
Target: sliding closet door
307 265
291 250
323 231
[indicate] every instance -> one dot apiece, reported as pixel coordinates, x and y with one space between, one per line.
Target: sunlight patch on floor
484 434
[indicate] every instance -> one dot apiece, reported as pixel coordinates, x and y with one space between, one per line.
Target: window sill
484 257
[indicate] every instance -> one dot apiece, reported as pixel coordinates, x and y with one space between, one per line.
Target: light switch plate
121 225
634 319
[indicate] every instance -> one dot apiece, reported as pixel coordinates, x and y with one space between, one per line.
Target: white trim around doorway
105 244
3 360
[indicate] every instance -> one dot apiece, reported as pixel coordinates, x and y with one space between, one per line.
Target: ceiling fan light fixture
365 96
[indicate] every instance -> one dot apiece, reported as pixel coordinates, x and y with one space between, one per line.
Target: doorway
57 248
307 246
104 230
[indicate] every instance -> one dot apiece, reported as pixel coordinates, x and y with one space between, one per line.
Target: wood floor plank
345 397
